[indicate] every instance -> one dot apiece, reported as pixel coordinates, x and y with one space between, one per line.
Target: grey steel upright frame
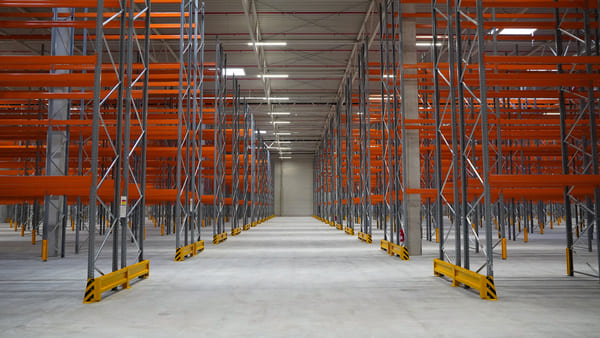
197 109
235 157
462 210
349 158
338 164
387 77
127 152
246 166
365 131
573 147
185 113
450 142
253 198
219 140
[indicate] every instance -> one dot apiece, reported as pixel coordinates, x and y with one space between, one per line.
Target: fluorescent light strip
281 122
281 43
235 71
273 76
427 44
517 31
285 157
261 98
283 134
279 113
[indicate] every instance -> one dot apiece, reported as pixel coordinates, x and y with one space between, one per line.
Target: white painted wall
293 187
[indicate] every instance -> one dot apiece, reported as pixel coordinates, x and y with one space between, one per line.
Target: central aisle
298 277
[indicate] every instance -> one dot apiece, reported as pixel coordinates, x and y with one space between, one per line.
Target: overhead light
386 76
283 134
285 157
280 148
235 72
280 113
427 44
552 113
281 43
280 122
272 76
284 141
261 131
265 98
517 31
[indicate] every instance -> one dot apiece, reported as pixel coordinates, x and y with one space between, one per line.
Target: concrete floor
296 277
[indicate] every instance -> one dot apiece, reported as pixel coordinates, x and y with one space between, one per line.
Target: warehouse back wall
293 187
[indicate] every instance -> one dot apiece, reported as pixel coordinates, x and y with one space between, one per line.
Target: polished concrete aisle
296 277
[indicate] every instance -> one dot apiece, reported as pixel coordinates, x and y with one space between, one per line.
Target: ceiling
319 36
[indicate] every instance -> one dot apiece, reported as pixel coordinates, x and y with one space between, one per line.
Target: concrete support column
411 148
57 142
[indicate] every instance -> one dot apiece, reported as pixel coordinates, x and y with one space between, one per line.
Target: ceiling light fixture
517 31
283 134
281 122
285 157
427 44
235 72
262 98
273 76
280 43
280 113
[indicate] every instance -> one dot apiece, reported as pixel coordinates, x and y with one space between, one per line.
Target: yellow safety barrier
188 250
349 231
253 224
459 275
437 235
395 249
33 236
525 235
246 227
44 250
504 248
97 286
339 226
236 231
365 237
219 238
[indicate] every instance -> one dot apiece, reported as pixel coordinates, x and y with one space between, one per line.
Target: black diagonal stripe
88 291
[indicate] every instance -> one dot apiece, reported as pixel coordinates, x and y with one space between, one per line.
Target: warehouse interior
264 168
